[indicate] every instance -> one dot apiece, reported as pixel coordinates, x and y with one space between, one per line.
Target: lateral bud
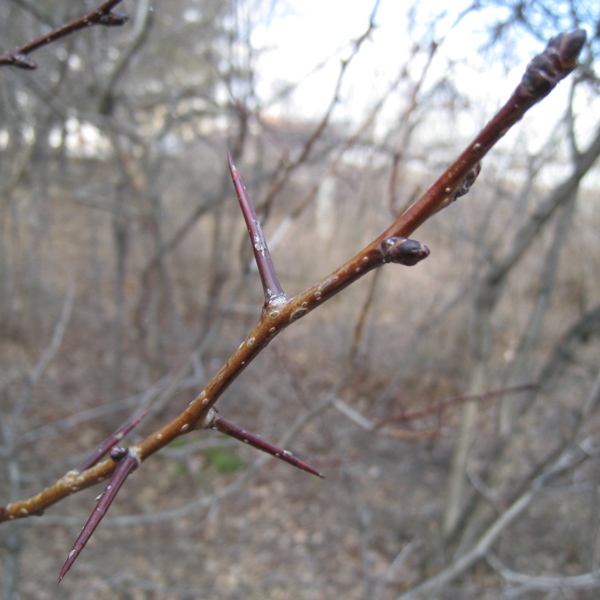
112 19
22 61
403 251
117 453
468 181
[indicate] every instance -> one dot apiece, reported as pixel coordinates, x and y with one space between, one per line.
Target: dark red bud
403 251
23 61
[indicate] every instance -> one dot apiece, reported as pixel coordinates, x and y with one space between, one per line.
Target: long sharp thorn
127 463
270 282
228 428
113 440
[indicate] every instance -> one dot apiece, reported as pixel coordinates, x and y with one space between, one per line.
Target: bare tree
154 343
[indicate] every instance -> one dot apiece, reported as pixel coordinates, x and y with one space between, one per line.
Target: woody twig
103 15
279 310
542 74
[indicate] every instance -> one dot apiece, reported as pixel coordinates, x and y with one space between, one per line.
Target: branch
438 408
286 165
141 27
415 415
568 461
542 74
586 581
36 374
101 16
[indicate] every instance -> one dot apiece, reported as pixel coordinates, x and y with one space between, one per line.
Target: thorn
228 428
111 441
270 282
128 463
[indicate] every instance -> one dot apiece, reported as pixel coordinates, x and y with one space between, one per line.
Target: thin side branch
18 57
567 462
438 408
586 581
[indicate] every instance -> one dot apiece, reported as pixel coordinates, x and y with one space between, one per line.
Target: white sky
304 33
320 29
